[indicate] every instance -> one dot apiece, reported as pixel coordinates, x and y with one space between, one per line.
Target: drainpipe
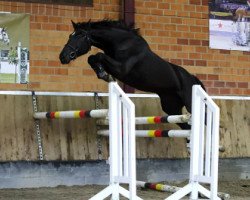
128 15
129 11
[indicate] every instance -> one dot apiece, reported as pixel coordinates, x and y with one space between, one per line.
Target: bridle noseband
83 35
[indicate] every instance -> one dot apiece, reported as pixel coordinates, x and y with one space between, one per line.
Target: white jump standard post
204 150
122 158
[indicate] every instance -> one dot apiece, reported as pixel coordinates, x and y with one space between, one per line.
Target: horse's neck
106 40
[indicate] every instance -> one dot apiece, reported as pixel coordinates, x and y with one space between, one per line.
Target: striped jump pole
155 119
169 188
100 113
155 133
157 186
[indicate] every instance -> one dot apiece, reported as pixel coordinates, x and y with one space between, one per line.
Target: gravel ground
238 190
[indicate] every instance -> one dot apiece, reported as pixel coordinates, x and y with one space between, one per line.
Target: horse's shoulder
132 43
126 44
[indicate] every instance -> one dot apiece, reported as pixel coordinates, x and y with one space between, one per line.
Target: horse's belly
151 82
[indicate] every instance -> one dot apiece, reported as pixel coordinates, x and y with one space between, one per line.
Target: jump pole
122 134
100 113
170 188
155 119
155 133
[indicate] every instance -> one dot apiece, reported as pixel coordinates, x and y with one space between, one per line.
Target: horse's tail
198 81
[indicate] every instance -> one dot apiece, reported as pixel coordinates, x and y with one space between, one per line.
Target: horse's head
79 43
4 36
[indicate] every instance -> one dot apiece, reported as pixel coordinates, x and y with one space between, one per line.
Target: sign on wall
229 24
14 48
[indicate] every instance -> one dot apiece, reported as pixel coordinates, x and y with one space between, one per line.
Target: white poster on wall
14 48
229 24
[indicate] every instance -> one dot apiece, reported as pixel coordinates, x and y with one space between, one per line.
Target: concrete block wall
51 174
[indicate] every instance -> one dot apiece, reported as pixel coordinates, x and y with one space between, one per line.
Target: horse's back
153 74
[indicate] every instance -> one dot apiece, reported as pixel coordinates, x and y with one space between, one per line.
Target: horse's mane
107 23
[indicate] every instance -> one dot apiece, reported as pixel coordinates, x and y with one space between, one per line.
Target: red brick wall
50 26
177 30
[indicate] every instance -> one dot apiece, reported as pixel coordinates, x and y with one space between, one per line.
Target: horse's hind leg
187 98
172 105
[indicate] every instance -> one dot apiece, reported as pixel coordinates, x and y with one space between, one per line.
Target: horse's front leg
97 66
114 67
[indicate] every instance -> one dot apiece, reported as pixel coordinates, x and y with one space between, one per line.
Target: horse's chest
121 56
138 78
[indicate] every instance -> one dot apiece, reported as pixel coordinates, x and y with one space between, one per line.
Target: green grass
7 78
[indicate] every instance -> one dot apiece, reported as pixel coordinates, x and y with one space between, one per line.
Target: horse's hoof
102 75
111 79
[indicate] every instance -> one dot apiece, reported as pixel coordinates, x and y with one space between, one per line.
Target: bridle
83 35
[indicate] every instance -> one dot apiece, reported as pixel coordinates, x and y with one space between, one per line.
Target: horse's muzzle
64 59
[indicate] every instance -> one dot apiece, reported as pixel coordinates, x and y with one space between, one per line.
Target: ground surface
239 190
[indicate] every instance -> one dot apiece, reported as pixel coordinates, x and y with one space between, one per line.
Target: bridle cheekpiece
83 35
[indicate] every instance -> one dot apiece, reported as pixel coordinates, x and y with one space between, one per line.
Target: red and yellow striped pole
155 119
100 113
155 133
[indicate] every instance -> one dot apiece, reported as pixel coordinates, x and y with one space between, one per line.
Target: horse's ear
88 24
74 25
136 30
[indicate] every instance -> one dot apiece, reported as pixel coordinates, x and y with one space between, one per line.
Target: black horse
128 58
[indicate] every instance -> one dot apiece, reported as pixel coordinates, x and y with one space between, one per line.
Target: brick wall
177 30
50 26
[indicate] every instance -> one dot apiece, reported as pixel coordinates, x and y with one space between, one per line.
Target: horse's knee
100 56
95 65
92 60
98 68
